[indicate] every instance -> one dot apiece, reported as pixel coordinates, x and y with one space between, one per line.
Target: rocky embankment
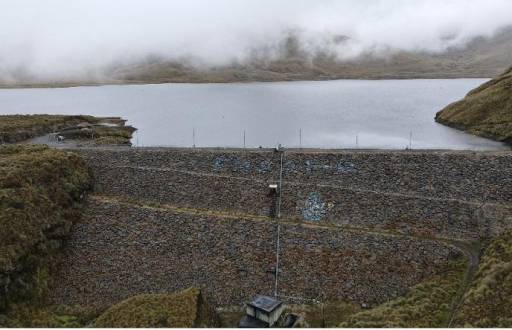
415 215
485 111
397 233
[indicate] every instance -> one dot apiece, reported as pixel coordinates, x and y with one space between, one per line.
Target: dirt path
472 252
51 142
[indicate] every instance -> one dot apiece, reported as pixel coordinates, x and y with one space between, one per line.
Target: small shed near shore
262 310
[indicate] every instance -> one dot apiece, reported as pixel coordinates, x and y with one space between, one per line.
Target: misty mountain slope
293 57
482 57
485 111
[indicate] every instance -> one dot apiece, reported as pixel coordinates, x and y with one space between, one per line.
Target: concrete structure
262 309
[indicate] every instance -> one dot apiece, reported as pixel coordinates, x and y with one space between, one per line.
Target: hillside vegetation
426 305
485 111
488 302
97 131
16 128
185 309
41 190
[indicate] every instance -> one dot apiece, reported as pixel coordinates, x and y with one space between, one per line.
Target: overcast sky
56 37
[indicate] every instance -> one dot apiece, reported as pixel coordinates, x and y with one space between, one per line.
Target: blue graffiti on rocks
314 209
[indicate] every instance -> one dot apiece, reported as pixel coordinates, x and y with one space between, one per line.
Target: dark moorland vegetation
185 309
94 130
426 305
16 128
488 302
485 111
41 191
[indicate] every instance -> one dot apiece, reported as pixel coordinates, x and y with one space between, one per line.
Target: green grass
27 315
16 128
488 302
40 197
426 305
326 315
101 135
185 309
486 111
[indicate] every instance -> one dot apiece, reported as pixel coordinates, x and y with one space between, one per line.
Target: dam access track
362 226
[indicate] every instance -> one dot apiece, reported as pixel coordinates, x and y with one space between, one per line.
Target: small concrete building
262 311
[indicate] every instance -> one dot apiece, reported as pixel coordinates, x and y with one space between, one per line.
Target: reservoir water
328 114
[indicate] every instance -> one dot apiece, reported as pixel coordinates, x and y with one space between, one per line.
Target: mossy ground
185 309
426 305
485 111
101 135
17 128
41 190
29 315
488 302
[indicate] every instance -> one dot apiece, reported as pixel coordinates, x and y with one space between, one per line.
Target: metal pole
278 225
280 187
300 138
193 137
410 140
277 258
244 138
357 141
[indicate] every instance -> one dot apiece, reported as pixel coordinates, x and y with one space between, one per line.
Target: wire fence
359 143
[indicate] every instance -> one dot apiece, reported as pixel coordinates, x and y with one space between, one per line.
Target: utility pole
278 224
277 259
280 187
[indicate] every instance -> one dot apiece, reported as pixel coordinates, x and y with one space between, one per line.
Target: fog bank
79 39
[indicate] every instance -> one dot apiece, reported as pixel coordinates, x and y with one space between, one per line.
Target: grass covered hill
486 111
41 190
185 309
426 305
488 302
16 128
85 129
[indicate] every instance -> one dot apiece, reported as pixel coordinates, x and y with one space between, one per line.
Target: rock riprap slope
359 226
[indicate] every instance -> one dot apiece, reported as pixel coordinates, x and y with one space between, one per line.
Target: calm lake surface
330 114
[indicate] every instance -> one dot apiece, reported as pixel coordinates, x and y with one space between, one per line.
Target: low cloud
62 39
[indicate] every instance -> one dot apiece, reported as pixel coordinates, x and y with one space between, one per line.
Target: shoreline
226 82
